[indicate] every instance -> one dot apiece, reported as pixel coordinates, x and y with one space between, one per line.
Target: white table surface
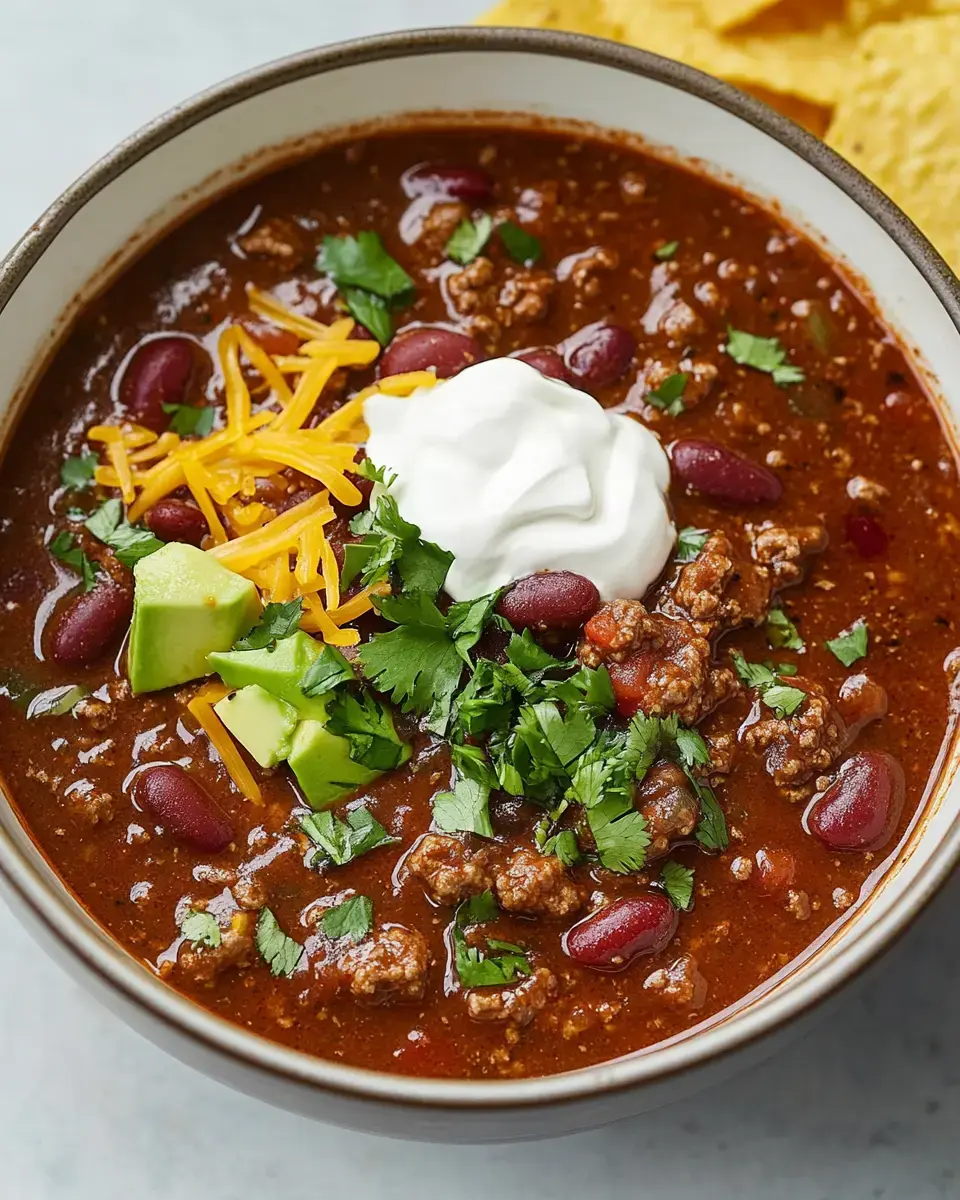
867 1107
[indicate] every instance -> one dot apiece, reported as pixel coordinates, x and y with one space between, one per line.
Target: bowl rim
50 901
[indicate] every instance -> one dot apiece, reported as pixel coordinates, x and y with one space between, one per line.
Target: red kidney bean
177 521
860 809
91 623
550 600
776 870
454 182
612 937
440 350
869 538
182 806
599 354
548 362
715 471
159 373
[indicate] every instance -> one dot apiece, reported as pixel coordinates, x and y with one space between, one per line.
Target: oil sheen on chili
673 712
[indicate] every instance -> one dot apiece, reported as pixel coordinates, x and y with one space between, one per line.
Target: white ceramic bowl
219 138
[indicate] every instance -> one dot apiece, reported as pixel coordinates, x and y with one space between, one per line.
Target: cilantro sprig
281 953
339 842
763 354
201 929
129 543
849 647
466 809
77 472
668 397
690 542
371 282
190 420
353 919
781 632
469 238
480 968
389 543
766 679
522 246
64 547
677 882
276 622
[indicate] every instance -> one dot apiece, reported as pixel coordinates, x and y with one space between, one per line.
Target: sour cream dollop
516 473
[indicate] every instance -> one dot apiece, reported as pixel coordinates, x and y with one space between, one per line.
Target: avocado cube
278 670
322 764
263 725
185 606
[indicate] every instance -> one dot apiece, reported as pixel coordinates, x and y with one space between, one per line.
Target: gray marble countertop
866 1107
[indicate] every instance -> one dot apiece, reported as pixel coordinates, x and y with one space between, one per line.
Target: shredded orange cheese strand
201 708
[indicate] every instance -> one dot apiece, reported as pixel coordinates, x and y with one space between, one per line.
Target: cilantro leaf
522 247
763 354
644 735
691 747
621 835
711 831
467 619
668 397
690 542
677 882
783 700
755 675
362 262
76 473
567 735
474 967
563 845
201 928
469 238
352 919
326 673
188 420
471 762
423 566
281 953
129 543
464 810
389 541
370 311
666 251
782 634
487 702
528 655
64 547
277 621
851 645
342 841
366 725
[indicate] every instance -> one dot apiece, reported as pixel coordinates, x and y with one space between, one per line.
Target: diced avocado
185 606
322 764
278 671
261 723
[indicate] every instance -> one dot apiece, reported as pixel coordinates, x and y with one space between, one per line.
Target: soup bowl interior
260 120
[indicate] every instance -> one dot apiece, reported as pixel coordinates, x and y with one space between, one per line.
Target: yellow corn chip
801 50
727 14
577 16
898 120
815 117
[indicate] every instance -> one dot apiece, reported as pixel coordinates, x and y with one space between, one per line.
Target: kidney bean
718 472
182 806
472 184
441 350
91 623
547 361
776 870
550 600
599 354
159 373
869 538
177 521
860 809
610 938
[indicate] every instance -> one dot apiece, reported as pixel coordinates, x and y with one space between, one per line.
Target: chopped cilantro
352 919
277 621
389 541
370 311
668 397
201 928
471 762
522 247
77 473
326 673
281 953
562 845
64 547
677 882
129 543
782 634
362 262
469 238
366 469
474 967
852 645
190 421
342 841
366 725
784 700
711 830
666 251
56 701
464 810
690 542
763 354
621 835
691 747
528 655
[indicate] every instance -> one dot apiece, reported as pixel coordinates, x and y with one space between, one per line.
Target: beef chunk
658 665
671 810
440 224
278 238
518 1004
701 376
98 714
680 984
525 297
93 805
784 550
797 747
447 870
536 883
205 964
391 965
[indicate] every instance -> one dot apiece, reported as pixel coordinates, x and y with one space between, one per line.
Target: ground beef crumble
519 1004
447 870
536 883
391 965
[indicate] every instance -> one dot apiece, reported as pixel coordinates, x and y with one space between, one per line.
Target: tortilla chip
576 16
801 50
814 117
899 121
728 14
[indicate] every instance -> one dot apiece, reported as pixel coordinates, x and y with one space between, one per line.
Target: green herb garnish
65 548
781 632
277 621
281 953
464 810
366 726
363 262
129 543
469 238
666 251
189 420
668 397
852 645
326 673
763 354
201 929
784 700
77 473
690 542
352 919
371 311
522 247
474 967
342 841
677 882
